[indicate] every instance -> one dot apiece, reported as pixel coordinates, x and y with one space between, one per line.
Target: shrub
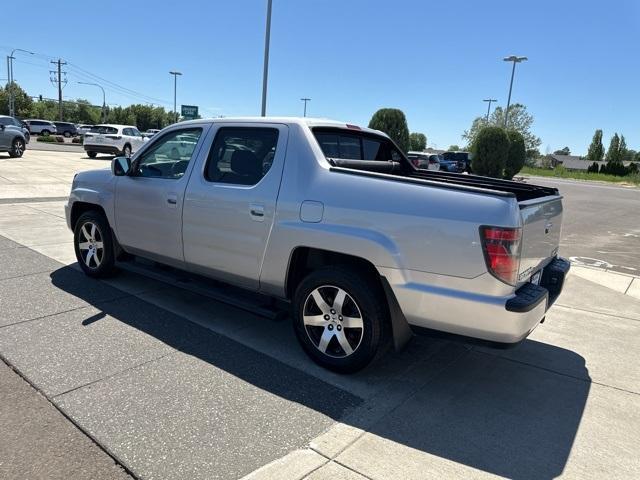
616 168
633 169
392 122
593 168
77 140
517 154
59 139
46 139
490 151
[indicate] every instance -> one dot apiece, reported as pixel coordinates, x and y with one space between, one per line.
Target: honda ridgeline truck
335 220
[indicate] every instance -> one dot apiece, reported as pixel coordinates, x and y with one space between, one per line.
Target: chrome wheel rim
90 245
19 148
333 321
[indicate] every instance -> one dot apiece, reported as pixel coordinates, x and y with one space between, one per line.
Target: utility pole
305 100
515 59
175 88
59 81
265 72
488 107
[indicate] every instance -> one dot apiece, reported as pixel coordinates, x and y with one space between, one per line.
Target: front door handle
172 200
257 212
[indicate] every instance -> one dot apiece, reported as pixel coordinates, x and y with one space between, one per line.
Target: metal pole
103 115
12 103
175 89
175 96
265 72
506 112
489 100
8 85
305 100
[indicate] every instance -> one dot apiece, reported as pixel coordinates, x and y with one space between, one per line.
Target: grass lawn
564 173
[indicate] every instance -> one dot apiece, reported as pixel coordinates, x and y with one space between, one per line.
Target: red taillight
502 252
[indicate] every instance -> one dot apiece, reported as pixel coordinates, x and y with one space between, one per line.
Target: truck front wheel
94 245
339 318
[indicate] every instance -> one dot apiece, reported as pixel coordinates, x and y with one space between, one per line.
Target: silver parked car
41 127
334 219
12 137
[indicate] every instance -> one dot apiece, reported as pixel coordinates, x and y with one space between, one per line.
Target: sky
436 61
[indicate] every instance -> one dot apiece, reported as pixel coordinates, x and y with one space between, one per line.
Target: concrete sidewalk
38 442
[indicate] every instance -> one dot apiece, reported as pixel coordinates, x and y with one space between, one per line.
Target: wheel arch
304 260
79 207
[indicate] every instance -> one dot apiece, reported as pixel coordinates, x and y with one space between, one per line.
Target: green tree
596 149
21 101
613 153
392 122
517 154
417 141
519 119
622 148
490 151
453 148
630 155
563 151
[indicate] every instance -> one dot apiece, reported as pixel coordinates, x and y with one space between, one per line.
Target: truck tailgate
541 224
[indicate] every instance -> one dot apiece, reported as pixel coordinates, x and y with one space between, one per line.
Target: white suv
113 140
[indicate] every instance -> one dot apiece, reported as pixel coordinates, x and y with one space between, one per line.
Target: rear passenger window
241 155
352 146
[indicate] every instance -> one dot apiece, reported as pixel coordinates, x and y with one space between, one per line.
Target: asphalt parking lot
134 377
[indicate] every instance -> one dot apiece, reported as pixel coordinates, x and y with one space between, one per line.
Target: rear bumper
497 320
110 149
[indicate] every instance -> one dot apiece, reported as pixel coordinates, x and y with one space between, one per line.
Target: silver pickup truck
333 219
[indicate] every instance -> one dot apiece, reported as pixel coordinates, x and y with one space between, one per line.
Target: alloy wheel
91 245
333 321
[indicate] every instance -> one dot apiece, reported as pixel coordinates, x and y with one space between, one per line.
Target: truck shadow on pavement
495 414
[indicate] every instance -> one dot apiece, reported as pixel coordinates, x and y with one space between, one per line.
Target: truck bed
395 171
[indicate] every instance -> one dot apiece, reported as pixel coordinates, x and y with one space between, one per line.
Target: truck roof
305 121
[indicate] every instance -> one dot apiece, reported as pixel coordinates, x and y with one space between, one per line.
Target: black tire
365 293
92 154
126 150
102 262
17 148
45 133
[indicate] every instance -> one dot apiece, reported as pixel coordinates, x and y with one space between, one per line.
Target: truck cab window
169 156
241 155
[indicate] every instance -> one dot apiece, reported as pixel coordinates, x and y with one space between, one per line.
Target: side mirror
120 166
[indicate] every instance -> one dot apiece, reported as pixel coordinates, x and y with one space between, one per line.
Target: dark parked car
463 160
12 138
66 129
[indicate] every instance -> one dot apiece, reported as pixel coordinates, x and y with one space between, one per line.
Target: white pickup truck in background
334 219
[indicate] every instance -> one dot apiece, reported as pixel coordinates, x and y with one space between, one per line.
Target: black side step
252 302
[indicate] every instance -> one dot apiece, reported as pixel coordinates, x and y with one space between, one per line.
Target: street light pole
515 59
104 101
305 100
265 72
175 88
10 59
489 100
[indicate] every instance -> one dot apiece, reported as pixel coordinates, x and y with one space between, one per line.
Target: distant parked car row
456 162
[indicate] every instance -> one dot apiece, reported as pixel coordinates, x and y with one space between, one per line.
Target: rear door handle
257 212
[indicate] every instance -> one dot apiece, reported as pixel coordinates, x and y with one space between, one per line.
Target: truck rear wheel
93 245
339 318
92 154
